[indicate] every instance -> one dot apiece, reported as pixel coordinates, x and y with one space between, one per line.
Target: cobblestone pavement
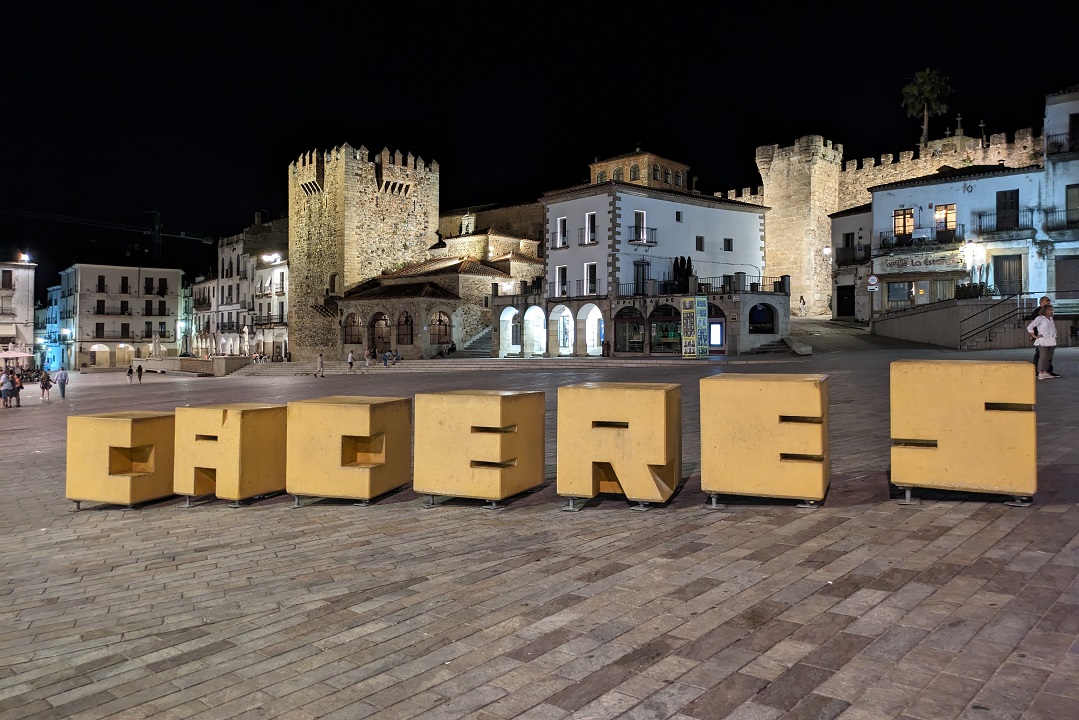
960 607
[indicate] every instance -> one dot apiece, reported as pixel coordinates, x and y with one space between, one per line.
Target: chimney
258 218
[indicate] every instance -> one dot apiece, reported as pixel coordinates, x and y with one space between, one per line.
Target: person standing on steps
350 359
1044 332
319 369
1037 349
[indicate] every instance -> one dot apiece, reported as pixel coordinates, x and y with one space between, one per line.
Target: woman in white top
1044 332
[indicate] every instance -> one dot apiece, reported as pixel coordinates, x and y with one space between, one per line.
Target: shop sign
920 262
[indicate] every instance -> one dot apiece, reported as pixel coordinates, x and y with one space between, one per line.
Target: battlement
311 167
956 150
748 195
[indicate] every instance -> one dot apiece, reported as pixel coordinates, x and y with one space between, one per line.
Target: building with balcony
967 232
628 253
17 306
110 315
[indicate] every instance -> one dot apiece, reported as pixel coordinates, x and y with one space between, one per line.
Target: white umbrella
10 354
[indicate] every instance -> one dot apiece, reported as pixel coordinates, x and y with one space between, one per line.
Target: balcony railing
586 236
101 289
277 319
576 288
121 335
1062 219
229 327
992 222
851 255
924 239
279 288
1062 143
202 303
642 235
157 313
108 310
555 241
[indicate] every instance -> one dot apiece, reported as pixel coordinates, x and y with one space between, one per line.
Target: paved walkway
961 607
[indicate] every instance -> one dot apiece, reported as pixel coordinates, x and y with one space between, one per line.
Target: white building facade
17 305
623 255
109 315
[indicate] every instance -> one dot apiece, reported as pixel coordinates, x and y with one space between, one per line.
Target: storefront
914 279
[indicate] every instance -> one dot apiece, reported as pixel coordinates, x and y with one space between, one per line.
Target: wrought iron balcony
556 241
1067 219
639 235
994 222
586 236
851 255
922 239
1062 143
277 319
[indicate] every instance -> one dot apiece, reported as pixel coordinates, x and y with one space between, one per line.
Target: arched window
667 175
634 172
441 330
629 330
380 333
618 174
333 283
351 332
404 329
762 320
601 176
678 178
666 330
655 172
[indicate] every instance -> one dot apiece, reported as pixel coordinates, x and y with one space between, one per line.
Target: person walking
138 372
1037 349
130 375
46 383
1044 332
320 370
367 357
61 382
16 388
350 359
801 306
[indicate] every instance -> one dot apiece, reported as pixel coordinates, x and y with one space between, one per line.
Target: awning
7 330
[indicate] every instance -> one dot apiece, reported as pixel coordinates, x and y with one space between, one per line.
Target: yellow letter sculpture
485 444
766 436
120 458
619 437
349 447
235 451
964 425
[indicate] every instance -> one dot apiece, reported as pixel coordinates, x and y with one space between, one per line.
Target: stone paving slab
960 607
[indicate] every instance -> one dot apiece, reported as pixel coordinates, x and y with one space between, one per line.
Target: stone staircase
776 346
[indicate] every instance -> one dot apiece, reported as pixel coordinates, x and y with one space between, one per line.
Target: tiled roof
515 256
404 290
947 173
447 266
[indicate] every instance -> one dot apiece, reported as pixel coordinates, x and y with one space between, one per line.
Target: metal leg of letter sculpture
907 499
571 506
713 503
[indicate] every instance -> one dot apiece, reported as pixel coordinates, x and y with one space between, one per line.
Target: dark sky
108 110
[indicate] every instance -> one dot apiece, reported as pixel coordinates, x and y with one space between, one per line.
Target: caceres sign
919 262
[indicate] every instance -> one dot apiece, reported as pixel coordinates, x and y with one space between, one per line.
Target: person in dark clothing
1037 350
138 371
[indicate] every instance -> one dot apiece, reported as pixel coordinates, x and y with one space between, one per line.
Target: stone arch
762 319
678 178
665 334
534 332
509 332
655 171
351 330
589 340
378 333
667 175
124 354
560 331
629 330
441 328
405 327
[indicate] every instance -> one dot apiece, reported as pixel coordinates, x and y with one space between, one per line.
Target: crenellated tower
351 217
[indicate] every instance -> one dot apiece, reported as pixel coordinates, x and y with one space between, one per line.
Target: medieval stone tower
350 219
806 182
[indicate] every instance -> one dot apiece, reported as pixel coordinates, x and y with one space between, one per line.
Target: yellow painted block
765 436
964 425
617 437
349 447
120 457
485 444
234 451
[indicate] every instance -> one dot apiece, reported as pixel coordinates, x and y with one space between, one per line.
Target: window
1008 210
601 176
678 178
161 308
147 330
404 329
590 227
148 308
728 244
148 286
700 243
655 172
561 240
351 332
124 285
124 308
161 332
125 330
619 175
678 216
667 175
590 278
1071 204
903 224
100 307
634 172
99 330
441 331
944 221
560 281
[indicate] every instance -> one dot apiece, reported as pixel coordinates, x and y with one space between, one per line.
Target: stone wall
525 219
351 218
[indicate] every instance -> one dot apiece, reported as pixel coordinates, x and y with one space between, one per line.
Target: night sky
109 110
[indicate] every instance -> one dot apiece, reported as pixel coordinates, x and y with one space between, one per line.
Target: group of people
1043 331
132 373
11 385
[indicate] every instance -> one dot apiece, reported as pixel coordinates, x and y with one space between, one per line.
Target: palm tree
924 96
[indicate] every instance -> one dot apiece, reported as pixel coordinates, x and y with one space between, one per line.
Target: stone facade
351 218
809 180
520 220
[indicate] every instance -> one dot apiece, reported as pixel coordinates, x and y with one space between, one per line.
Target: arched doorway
629 330
590 330
441 329
100 355
560 331
666 330
717 329
124 355
351 331
509 332
534 332
762 319
379 333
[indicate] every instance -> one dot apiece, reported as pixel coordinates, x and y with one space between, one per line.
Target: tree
924 96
